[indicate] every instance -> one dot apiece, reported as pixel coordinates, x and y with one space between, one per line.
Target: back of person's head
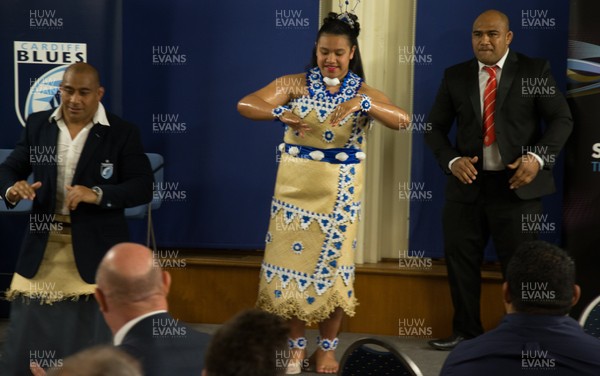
127 274
541 279
249 345
99 361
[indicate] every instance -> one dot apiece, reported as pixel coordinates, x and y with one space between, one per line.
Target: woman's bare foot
324 361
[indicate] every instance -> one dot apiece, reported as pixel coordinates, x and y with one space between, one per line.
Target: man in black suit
88 165
536 334
500 165
132 294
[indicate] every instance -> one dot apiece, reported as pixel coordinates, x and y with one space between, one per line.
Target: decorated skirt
57 278
308 269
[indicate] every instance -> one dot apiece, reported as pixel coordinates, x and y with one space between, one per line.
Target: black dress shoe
446 344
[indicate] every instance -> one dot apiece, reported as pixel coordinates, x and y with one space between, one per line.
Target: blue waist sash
335 156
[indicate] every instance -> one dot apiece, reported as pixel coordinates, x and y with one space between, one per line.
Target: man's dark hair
541 277
249 345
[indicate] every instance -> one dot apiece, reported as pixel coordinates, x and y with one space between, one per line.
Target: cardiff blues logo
44 94
106 170
39 69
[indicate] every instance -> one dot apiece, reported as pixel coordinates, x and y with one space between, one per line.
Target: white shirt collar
121 333
99 116
500 62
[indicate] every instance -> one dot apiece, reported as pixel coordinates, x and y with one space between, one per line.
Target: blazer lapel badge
106 170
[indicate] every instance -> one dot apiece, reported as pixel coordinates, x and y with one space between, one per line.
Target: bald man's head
127 274
80 94
491 36
85 69
494 14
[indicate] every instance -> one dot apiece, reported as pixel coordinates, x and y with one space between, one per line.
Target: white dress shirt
492 161
68 152
121 333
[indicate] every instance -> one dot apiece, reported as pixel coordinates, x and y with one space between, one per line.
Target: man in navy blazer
500 164
132 294
88 165
536 336
112 162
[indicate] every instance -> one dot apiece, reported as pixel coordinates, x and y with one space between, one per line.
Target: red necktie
489 107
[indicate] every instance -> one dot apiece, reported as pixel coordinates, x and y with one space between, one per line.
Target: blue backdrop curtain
186 64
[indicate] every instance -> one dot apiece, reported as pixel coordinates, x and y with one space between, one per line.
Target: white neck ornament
331 81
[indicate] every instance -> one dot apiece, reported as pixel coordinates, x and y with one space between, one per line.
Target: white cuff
539 159
451 162
6 197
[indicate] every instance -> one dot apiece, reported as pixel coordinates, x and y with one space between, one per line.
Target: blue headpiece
345 14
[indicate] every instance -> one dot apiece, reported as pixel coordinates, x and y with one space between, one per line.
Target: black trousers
497 213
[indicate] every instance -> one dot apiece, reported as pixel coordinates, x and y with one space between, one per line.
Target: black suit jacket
166 346
526 94
94 228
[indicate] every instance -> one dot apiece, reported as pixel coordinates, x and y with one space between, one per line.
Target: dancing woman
308 270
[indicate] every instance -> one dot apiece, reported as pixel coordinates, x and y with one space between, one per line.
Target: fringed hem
292 309
44 297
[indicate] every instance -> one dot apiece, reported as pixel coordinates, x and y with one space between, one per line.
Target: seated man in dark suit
536 336
132 294
253 343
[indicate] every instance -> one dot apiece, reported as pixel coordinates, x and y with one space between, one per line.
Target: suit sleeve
441 118
135 176
16 167
554 109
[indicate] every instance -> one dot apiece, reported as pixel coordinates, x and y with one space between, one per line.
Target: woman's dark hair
334 26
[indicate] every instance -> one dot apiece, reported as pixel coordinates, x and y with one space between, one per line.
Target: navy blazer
112 159
525 344
165 346
526 94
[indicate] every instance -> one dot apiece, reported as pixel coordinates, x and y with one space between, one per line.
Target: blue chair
157 165
377 357
590 318
24 206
